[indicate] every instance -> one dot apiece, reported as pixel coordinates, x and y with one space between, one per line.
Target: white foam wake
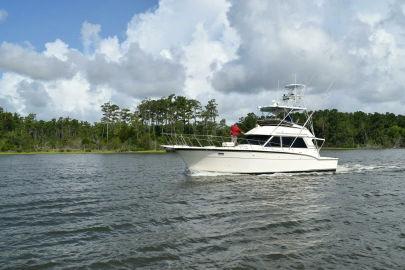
208 174
342 168
358 168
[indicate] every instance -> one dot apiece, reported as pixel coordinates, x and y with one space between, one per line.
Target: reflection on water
145 211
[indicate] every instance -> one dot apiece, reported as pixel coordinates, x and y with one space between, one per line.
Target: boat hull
249 162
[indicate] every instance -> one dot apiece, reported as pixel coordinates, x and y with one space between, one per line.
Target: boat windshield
274 142
257 139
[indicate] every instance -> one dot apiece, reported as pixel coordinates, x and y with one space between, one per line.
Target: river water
126 211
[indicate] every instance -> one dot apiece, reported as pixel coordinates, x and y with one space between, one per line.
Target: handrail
208 135
216 140
279 124
302 128
186 139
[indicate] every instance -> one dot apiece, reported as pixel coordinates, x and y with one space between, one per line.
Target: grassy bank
343 148
51 152
361 148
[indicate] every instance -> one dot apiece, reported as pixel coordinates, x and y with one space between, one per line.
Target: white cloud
3 15
232 50
63 97
26 61
358 48
370 18
33 94
9 98
77 98
173 24
278 42
79 82
57 49
137 74
90 36
111 49
197 34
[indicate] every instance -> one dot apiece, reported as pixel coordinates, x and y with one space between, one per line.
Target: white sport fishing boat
277 144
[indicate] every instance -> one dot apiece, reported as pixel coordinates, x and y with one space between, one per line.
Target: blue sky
67 57
41 21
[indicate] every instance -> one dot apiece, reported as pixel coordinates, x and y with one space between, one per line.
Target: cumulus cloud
28 62
196 34
78 81
137 74
51 99
90 36
278 41
57 49
358 48
33 94
232 50
3 15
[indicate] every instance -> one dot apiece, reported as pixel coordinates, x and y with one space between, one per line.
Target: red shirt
235 130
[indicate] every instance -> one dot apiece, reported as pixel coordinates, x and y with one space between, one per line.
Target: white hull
253 162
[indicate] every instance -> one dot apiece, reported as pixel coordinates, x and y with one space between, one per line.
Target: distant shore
347 148
68 151
359 148
51 152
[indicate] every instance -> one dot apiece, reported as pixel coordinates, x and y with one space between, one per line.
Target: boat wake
280 174
208 174
359 168
341 169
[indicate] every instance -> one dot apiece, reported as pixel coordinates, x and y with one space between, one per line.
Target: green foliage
121 129
342 129
360 129
248 122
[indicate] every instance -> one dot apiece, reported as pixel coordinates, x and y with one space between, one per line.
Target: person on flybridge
235 132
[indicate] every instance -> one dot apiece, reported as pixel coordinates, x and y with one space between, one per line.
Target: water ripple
148 212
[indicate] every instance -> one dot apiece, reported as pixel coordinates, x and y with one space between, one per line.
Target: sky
66 58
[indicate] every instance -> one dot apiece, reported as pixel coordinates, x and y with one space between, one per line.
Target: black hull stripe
311 171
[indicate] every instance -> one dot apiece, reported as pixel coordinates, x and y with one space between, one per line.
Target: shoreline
348 148
55 152
360 148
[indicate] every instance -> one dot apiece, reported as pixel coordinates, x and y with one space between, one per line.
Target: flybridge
290 102
280 108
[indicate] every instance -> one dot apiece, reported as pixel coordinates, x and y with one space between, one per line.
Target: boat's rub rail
305 171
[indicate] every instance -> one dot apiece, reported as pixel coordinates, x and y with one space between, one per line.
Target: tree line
350 129
121 129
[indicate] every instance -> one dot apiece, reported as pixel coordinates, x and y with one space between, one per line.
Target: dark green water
129 211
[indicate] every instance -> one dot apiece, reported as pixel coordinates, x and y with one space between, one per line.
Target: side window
287 141
298 143
256 139
274 142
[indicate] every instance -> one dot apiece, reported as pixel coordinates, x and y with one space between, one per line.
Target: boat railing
194 140
207 140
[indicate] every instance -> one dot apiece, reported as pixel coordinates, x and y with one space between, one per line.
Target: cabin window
298 143
274 142
257 139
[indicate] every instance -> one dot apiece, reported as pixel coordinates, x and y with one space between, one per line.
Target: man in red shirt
235 132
